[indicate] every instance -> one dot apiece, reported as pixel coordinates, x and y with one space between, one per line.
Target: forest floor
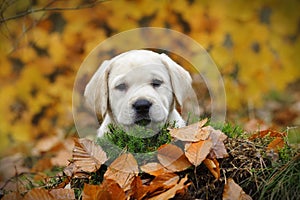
250 163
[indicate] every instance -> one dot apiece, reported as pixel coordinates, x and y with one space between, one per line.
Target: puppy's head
138 87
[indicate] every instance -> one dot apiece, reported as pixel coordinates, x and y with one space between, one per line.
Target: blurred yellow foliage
255 45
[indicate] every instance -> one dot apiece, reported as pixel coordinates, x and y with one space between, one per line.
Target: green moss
139 141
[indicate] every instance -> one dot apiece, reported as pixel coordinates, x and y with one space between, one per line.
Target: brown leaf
233 191
267 132
41 165
108 190
154 169
65 194
137 189
61 157
38 194
46 143
87 155
191 133
70 169
170 193
11 165
167 180
123 170
196 152
276 144
254 125
12 196
162 183
158 185
218 148
63 152
213 166
172 158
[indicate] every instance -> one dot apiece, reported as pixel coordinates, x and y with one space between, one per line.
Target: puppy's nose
142 106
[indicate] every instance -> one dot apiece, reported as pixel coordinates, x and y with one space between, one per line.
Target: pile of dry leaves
201 162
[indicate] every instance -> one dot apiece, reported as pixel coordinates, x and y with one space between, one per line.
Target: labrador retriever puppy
138 88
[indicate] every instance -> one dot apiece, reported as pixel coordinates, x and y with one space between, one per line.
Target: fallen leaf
191 133
276 144
123 170
108 189
196 152
38 194
61 157
41 165
87 155
158 185
45 144
170 193
254 125
154 169
11 165
167 180
213 166
267 132
218 148
162 183
12 196
70 169
137 189
63 152
172 158
65 194
233 191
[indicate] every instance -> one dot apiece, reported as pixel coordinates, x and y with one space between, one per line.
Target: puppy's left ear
96 91
180 79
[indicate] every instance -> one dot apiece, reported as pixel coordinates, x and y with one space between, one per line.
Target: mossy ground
261 175
248 164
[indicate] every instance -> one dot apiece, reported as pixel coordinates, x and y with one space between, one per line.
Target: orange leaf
191 133
213 166
109 189
154 169
276 144
157 186
170 193
123 170
196 152
87 155
167 180
41 165
233 191
268 132
172 158
138 190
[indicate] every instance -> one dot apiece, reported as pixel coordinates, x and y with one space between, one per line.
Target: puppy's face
138 87
140 92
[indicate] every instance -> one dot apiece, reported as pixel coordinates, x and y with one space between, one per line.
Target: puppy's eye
156 83
121 87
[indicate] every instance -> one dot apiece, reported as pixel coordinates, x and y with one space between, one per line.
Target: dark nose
142 106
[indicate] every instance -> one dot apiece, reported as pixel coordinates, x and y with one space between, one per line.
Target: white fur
137 69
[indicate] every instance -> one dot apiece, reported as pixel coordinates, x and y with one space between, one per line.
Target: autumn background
255 45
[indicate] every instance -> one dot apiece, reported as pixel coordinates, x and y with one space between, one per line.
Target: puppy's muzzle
141 108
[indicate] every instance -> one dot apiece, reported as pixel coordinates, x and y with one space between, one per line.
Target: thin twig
44 9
